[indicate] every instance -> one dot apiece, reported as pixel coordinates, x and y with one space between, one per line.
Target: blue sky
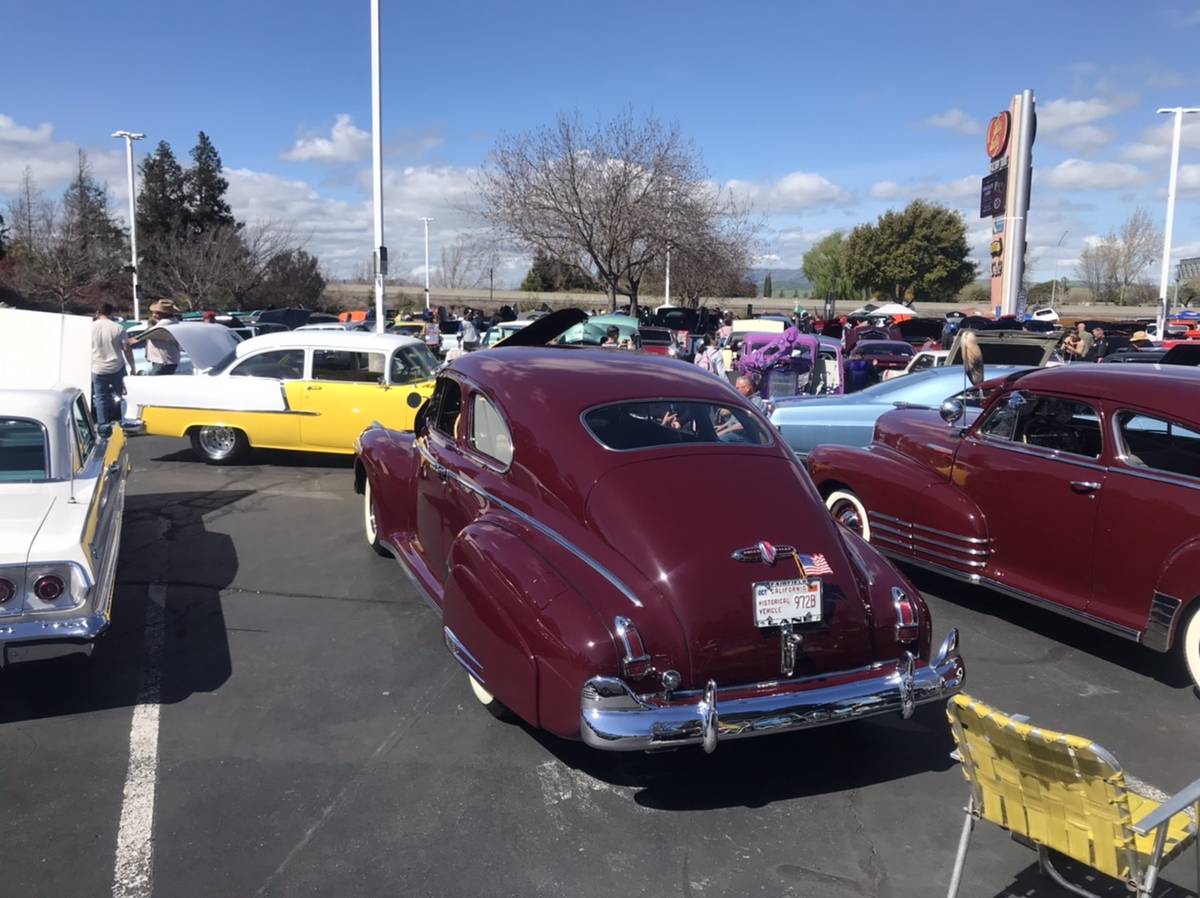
822 115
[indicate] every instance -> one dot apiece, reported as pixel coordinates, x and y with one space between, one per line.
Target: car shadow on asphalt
164 542
757 772
278 458
1079 636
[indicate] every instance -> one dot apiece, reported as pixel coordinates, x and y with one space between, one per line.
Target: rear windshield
884 349
22 451
643 425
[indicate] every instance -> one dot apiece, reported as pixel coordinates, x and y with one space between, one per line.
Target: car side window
285 364
1046 422
489 433
348 367
1159 444
446 406
85 431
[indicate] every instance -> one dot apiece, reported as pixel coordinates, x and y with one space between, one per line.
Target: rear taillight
48 587
908 626
8 589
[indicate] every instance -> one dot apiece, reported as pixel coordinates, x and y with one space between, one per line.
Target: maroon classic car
1076 489
538 506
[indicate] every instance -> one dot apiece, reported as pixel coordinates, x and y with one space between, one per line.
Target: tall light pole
667 280
1179 112
380 252
130 137
427 221
1054 283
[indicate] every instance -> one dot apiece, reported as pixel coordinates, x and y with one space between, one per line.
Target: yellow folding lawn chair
1068 795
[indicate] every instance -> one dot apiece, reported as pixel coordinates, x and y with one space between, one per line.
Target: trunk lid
22 512
666 517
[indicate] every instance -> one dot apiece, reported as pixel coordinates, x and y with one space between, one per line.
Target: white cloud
1155 141
1085 138
1060 114
346 143
955 120
793 192
885 190
1189 179
53 162
943 191
1078 174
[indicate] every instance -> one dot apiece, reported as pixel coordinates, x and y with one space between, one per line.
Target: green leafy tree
767 286
920 253
548 274
205 188
291 278
162 204
825 268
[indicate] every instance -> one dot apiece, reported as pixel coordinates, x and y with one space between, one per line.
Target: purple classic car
792 364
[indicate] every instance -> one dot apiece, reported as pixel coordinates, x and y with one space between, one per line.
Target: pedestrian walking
709 357
110 355
469 334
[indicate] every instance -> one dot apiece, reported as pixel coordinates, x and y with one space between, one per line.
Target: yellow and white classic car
62 491
314 390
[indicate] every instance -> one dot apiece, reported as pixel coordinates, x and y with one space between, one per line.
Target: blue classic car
849 420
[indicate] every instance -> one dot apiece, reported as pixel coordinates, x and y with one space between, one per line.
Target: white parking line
133 873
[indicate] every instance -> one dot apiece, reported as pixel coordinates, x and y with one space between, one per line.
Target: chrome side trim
614 718
930 540
1156 477
1072 613
1082 461
910 547
462 655
536 525
893 520
1161 621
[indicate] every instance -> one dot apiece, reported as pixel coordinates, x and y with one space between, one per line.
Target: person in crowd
725 331
746 386
1099 346
709 357
210 317
469 334
1077 345
162 350
612 336
110 355
1142 340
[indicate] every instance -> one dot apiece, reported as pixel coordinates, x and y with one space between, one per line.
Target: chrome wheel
218 442
848 511
370 529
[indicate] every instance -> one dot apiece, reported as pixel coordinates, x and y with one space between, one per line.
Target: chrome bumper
134 428
38 640
613 718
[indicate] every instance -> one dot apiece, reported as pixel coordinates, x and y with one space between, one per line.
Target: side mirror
952 411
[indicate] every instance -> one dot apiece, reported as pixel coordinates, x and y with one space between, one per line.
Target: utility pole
380 254
1054 283
130 137
1163 311
427 221
492 285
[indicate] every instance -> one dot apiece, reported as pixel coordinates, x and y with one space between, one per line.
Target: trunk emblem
765 552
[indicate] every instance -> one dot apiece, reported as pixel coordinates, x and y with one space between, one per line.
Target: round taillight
8 589
48 588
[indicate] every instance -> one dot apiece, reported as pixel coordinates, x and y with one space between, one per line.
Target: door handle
311 387
1084 486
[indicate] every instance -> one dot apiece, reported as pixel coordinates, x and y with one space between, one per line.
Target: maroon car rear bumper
614 718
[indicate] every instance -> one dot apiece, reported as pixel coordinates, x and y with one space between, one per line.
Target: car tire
847 509
370 530
490 703
219 445
1187 644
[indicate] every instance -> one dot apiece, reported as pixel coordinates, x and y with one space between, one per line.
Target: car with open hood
1073 489
62 491
301 390
536 509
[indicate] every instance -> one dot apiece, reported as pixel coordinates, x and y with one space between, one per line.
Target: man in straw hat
162 351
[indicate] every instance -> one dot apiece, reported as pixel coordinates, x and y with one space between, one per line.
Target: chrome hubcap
847 515
218 442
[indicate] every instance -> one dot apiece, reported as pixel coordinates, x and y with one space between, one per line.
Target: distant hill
786 279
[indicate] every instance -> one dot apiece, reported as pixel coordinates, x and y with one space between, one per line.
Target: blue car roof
928 387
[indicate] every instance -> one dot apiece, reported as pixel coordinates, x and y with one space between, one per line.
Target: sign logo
997 248
997 135
766 551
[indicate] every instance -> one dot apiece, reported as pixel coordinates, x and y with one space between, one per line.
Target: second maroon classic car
1076 488
540 508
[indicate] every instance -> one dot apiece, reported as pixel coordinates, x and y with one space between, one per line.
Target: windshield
23 451
644 425
884 349
411 364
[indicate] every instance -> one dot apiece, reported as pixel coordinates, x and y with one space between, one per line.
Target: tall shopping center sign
1004 198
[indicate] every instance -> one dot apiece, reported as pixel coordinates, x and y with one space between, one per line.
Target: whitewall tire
370 528
489 701
1188 642
847 509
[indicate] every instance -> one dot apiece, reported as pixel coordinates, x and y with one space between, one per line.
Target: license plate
776 601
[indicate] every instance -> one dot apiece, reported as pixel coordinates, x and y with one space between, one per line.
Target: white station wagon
62 495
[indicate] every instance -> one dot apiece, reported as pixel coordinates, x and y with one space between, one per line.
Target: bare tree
1138 243
220 266
1098 268
466 262
599 197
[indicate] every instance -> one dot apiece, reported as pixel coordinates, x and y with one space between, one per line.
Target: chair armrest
1181 800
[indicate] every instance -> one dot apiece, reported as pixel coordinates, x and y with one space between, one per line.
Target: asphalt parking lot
314 738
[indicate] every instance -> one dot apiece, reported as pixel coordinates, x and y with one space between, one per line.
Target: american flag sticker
815 565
